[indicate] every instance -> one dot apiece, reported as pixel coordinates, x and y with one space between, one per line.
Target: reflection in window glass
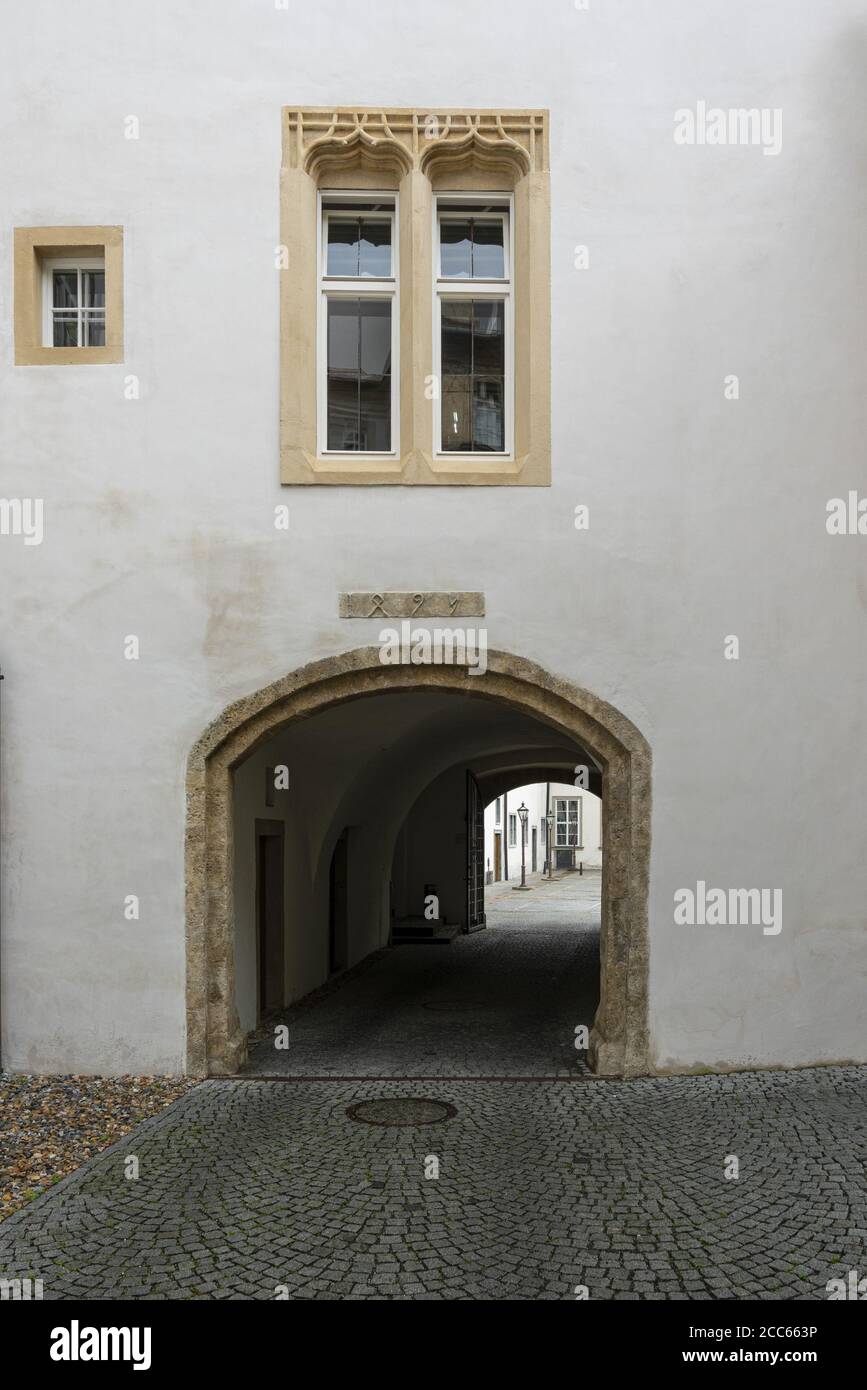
472 249
78 308
359 375
65 330
359 246
94 288
489 261
473 376
65 289
456 250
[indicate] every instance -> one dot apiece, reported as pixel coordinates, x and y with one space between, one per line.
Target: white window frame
513 830
446 288
579 823
355 287
78 263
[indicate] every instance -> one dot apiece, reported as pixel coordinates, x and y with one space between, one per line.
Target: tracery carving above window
402 140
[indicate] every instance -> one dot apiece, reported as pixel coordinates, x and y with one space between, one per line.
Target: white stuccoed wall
707 516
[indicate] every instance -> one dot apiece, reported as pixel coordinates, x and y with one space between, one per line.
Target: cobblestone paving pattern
253 1184
502 1002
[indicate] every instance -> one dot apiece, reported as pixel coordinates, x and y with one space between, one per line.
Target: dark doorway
338 902
498 856
535 848
269 915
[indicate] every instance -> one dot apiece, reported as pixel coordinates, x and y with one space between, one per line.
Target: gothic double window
415 298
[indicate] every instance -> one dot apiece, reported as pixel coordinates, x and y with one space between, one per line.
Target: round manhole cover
405 1111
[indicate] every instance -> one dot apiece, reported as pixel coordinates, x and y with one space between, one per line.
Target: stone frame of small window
33 245
418 154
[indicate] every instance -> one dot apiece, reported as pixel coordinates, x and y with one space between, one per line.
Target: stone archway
619 1040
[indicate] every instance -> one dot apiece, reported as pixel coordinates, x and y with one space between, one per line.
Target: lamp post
550 822
523 813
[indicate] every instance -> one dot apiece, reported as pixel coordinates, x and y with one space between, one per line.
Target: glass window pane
473 369
342 414
65 330
457 420
375 388
342 248
359 375
489 431
456 250
343 338
489 344
94 327
359 246
457 336
375 338
94 288
374 257
489 261
343 347
65 289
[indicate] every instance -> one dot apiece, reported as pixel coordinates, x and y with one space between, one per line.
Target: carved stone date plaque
460 603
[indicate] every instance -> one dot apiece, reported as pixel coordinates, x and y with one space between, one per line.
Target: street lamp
523 813
549 818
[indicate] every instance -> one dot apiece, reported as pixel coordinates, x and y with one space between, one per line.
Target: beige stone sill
462 464
71 357
414 469
346 463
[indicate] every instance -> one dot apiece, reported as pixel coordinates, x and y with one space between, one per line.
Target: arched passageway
373 755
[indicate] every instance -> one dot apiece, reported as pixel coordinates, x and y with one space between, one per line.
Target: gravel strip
51 1125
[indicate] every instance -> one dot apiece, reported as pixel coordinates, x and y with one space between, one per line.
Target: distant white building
577 830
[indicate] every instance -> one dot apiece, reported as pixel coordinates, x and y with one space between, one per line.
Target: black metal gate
475 856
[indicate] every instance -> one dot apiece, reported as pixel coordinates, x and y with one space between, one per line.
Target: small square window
74 302
68 295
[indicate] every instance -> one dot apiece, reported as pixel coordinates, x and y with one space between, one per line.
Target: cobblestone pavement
502 1002
251 1186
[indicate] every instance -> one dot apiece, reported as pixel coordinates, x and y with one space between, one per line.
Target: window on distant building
513 830
568 822
358 324
498 811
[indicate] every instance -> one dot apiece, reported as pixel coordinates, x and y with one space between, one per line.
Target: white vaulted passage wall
390 770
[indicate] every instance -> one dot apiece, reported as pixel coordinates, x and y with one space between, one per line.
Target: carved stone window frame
419 154
34 246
